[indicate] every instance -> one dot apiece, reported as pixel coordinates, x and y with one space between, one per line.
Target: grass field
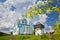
24 37
31 37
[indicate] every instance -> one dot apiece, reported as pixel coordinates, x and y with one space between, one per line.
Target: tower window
24 21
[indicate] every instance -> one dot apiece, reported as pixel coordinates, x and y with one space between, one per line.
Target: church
22 27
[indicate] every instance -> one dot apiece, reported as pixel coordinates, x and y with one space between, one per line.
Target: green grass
24 37
31 37
4 37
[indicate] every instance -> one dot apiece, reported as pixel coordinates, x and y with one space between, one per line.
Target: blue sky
11 10
2 1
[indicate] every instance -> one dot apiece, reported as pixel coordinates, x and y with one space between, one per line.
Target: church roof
38 25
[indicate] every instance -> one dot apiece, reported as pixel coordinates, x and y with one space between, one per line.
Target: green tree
34 10
56 27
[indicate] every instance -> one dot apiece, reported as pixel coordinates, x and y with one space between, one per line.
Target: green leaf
34 10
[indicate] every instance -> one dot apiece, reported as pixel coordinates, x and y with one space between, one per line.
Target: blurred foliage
56 9
56 27
56 36
35 10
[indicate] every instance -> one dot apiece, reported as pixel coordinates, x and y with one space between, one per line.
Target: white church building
22 27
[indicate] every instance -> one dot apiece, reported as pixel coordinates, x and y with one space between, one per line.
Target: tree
46 7
56 27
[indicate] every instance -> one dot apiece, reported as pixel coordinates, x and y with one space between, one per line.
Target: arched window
24 21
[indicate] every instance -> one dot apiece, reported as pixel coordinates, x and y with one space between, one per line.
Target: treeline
3 34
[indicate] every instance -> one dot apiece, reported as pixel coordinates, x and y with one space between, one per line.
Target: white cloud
24 8
8 17
42 19
16 1
22 0
5 17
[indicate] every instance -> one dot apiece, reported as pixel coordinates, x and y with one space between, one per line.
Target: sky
11 10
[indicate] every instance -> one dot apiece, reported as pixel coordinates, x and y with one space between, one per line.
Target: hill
3 34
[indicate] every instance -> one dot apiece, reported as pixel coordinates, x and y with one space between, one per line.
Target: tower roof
38 25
